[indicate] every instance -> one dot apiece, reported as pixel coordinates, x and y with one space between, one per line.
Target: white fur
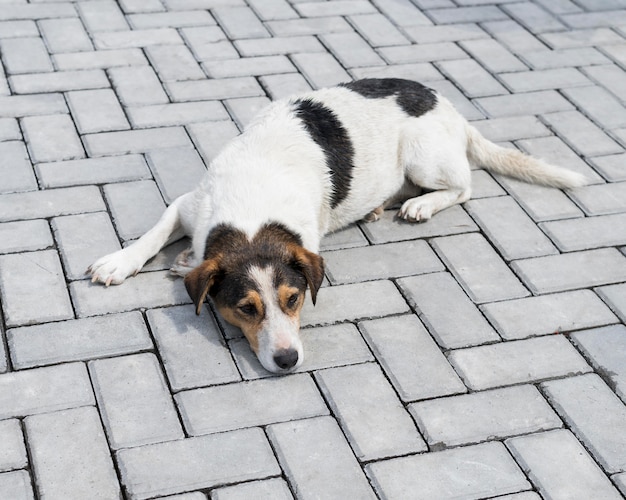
276 172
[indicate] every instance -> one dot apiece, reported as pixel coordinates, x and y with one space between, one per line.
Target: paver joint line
481 354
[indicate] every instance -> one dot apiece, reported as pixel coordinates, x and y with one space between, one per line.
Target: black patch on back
414 98
329 134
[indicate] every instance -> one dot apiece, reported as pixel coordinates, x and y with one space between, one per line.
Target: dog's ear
311 265
199 281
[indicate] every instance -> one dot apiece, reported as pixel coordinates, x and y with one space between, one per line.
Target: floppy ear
199 281
312 266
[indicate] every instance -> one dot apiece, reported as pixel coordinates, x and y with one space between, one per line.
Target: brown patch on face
291 300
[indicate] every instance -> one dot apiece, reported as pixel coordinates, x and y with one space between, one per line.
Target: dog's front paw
416 210
114 268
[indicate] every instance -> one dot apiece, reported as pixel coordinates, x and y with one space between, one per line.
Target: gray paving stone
191 347
422 72
390 228
135 141
196 463
528 103
123 199
556 273
410 358
270 489
176 19
460 102
403 13
16 485
449 33
206 90
511 128
372 417
92 171
324 347
595 414
25 55
473 80
519 361
23 11
506 225
174 62
317 460
82 239
210 137
131 6
59 81
614 296
554 78
99 59
309 26
582 38
70 455
429 52
49 203
137 86
164 115
273 9
65 35
472 13
350 237
44 390
15 168
601 199
533 17
134 413
483 470
177 171
102 15
77 340
606 348
609 76
383 261
581 134
543 59
599 105
248 66
212 51
25 304
18 29
240 22
477 267
343 8
493 55
146 290
484 185
96 111
278 45
24 236
620 481
13 449
9 130
320 69
377 30
447 312
552 313
343 303
483 416
587 232
351 50
560 467
540 202
248 404
610 167
51 138
29 105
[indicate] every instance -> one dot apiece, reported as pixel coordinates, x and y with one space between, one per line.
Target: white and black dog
307 166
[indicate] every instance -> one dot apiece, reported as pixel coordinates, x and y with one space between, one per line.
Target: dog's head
259 285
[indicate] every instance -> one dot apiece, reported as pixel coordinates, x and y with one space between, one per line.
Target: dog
304 167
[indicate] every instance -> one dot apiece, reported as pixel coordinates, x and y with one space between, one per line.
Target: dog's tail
484 153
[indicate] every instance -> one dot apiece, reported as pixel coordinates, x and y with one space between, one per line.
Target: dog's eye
292 300
248 309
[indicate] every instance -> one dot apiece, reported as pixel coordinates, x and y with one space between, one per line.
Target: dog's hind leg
114 268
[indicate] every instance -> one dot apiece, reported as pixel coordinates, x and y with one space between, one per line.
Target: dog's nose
286 358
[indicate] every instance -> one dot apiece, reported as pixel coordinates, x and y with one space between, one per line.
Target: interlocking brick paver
521 361
492 324
372 417
595 414
13 449
196 463
551 313
560 467
76 340
43 390
482 470
485 415
317 460
70 455
410 358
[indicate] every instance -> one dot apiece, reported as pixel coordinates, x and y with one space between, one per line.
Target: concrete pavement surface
481 354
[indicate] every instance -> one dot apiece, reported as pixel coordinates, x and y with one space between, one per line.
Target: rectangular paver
480 471
13 448
520 361
97 111
588 232
482 416
196 463
373 418
52 138
17 485
317 460
70 455
15 168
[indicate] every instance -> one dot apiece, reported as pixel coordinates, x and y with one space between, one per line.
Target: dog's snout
286 358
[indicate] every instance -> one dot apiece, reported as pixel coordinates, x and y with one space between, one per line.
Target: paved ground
479 355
